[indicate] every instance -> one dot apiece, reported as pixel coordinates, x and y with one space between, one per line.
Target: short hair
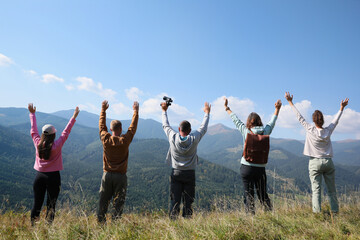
253 120
318 118
185 127
115 125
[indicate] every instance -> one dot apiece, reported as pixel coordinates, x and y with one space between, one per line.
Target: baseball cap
48 129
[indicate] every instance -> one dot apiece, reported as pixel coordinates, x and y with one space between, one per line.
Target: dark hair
253 120
44 147
115 125
185 127
318 118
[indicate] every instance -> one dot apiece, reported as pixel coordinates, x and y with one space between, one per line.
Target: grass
293 220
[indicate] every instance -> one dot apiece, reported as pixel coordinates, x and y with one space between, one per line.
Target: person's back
115 161
183 150
319 148
182 156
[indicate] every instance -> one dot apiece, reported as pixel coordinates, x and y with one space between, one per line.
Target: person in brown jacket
115 161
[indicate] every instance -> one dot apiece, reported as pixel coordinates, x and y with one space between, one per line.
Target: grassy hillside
290 220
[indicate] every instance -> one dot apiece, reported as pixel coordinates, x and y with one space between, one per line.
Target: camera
167 100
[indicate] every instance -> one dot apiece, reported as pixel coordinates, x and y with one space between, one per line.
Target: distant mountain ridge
222 146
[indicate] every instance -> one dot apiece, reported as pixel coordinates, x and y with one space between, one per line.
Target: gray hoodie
182 153
317 142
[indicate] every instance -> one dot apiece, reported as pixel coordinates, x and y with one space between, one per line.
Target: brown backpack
256 148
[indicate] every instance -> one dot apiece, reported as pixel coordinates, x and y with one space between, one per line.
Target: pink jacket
54 163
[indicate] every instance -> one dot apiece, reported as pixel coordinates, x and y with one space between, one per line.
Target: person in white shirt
319 148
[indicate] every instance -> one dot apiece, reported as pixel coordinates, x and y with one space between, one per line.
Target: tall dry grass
291 219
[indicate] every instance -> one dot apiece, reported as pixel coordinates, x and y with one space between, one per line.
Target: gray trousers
113 186
319 168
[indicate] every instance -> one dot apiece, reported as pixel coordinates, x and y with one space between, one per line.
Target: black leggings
45 182
254 178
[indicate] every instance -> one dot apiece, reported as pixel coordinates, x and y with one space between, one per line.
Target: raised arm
238 123
300 118
289 98
204 125
134 122
343 104
102 120
227 109
32 108
33 131
277 107
65 133
76 113
165 122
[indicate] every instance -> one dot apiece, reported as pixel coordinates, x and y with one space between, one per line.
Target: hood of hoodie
258 130
183 145
323 133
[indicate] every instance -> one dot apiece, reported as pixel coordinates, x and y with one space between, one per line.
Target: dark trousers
45 182
182 187
113 186
254 177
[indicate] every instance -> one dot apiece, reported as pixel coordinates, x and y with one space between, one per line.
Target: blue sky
62 54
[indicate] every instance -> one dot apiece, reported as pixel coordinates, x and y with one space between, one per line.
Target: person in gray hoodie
319 148
182 156
254 174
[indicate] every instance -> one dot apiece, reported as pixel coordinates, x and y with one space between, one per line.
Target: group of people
182 157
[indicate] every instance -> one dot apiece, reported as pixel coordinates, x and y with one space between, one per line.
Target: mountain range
217 173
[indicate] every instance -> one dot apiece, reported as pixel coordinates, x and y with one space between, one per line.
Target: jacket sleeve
166 126
238 123
270 126
65 133
204 125
300 118
132 128
335 121
34 131
103 131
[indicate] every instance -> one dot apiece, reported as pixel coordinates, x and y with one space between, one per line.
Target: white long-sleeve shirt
317 142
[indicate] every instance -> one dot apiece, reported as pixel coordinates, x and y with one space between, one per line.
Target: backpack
256 148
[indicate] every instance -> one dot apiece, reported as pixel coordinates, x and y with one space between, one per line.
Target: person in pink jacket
48 164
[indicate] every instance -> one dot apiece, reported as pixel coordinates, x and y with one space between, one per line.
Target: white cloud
31 73
133 94
87 84
151 107
50 78
348 123
89 107
5 61
287 117
121 109
70 87
176 113
242 107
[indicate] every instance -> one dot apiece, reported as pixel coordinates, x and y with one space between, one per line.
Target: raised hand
136 106
344 103
164 106
207 107
288 97
277 107
226 102
105 105
278 104
31 108
76 112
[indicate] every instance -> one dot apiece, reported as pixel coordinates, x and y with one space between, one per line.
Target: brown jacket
116 149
